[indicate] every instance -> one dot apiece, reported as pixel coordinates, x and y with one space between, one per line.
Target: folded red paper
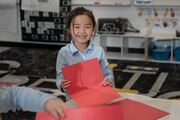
133 110
83 75
85 86
112 112
44 116
123 110
96 95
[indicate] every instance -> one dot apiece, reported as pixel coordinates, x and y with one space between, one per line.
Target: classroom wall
143 23
9 21
141 17
114 12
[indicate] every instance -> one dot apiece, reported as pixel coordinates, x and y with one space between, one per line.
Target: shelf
114 55
134 56
126 41
142 50
129 56
159 61
100 2
127 34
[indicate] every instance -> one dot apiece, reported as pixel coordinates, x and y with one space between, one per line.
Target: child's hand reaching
107 82
55 107
65 84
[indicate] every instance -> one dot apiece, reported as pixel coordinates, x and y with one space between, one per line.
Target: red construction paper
44 116
95 96
112 112
83 75
133 110
8 83
123 110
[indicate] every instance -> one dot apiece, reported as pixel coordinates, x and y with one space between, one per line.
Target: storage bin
177 53
161 52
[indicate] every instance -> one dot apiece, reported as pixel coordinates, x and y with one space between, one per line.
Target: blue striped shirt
69 55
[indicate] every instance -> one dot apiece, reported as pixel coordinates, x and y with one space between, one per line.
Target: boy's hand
65 84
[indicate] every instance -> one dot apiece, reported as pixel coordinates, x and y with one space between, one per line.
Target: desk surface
171 106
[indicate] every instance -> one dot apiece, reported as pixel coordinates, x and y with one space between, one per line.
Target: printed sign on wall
43 26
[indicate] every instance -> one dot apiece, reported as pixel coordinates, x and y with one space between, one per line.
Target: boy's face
81 29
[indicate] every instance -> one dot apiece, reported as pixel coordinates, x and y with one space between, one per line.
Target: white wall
9 21
129 12
139 22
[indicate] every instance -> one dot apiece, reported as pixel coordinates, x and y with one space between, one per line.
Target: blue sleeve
60 63
105 66
5 99
27 99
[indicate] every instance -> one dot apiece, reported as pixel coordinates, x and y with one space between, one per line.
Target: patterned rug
158 80
30 67
35 68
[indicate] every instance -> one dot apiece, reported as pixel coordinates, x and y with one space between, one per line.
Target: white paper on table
40 5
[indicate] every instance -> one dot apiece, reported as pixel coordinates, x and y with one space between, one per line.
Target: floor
35 67
158 80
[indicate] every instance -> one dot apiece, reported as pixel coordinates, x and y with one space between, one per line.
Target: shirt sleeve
105 66
5 99
60 63
27 99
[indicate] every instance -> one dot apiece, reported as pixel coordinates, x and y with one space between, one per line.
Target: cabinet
126 51
173 44
143 49
176 49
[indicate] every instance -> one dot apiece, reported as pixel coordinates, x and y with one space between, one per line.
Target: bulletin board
101 2
44 26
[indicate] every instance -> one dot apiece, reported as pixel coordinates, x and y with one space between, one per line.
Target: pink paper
85 86
95 96
44 116
112 112
133 110
123 110
83 75
7 83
